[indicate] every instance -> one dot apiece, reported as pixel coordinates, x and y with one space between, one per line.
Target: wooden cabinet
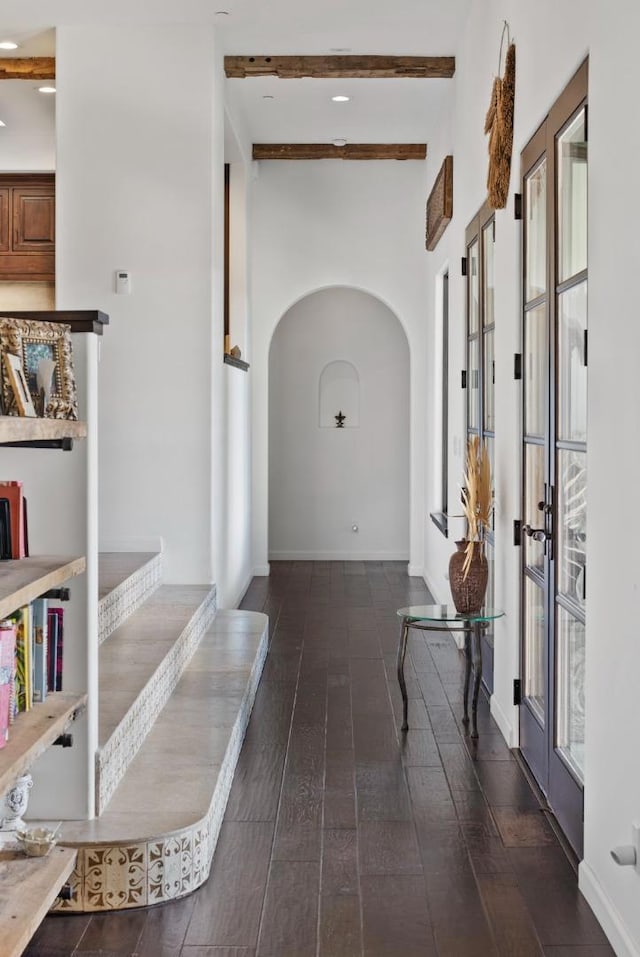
27 227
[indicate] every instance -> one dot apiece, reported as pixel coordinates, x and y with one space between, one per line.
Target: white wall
28 139
335 223
324 480
135 191
552 40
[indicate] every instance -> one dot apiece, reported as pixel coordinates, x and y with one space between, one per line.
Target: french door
554 466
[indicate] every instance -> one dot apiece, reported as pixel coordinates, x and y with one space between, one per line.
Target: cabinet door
34 219
4 220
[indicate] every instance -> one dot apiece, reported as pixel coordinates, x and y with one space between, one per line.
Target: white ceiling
385 111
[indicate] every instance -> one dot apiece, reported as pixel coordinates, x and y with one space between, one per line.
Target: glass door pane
473 385
474 288
534 476
570 666
488 281
536 361
489 382
536 232
572 369
572 525
572 199
534 648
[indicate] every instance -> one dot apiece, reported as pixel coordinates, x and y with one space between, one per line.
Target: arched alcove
339 345
339 394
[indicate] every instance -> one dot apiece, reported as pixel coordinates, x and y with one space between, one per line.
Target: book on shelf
24 685
7 674
15 537
40 632
57 661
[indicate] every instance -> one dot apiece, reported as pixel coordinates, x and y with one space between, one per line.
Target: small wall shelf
236 363
34 731
24 579
20 430
28 888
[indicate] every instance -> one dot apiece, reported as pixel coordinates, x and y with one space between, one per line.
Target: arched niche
339 392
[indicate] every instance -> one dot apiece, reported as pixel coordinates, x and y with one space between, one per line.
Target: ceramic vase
14 804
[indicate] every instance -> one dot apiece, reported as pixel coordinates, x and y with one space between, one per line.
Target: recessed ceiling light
339 49
222 13
2 124
8 45
267 96
340 99
339 142
46 89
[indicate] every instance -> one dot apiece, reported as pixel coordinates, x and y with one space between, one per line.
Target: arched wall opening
324 481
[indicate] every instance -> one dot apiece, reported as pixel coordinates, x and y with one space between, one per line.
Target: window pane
572 371
572 524
534 647
474 304
570 681
490 601
473 385
489 382
536 358
488 282
536 232
572 199
533 494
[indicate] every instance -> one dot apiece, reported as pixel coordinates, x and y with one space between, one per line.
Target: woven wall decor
499 126
440 204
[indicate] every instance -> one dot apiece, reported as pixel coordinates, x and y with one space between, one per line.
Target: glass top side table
446 618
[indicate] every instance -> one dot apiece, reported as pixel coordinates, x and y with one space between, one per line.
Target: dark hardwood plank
339 789
228 907
340 862
381 790
460 924
117 932
59 935
165 929
597 951
510 921
290 918
374 738
388 848
217 952
395 919
560 913
340 927
255 791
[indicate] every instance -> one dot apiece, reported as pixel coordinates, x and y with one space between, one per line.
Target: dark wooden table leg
467 675
402 650
476 645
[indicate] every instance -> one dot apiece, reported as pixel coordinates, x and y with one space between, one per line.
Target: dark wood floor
343 837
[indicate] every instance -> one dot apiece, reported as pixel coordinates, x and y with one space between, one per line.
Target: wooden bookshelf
34 731
15 428
24 579
28 888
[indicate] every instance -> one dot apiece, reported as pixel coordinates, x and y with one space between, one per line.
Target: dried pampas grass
477 498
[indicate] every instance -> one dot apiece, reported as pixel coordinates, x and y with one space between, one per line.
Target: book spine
7 667
21 662
13 492
52 649
59 648
40 633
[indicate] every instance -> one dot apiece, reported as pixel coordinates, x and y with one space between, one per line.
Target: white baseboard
606 913
414 571
131 545
260 571
505 726
316 556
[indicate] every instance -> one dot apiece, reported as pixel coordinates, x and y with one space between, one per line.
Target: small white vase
14 805
44 380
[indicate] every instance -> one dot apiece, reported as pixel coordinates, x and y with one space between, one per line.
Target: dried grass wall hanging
499 125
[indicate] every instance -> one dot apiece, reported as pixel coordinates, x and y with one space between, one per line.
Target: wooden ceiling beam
28 68
340 67
351 151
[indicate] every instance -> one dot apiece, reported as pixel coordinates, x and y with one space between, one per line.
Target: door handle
537 534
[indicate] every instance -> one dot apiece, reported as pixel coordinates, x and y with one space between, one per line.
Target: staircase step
139 668
125 581
156 839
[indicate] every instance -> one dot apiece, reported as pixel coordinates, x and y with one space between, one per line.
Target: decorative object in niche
236 352
339 388
499 125
340 420
440 204
34 341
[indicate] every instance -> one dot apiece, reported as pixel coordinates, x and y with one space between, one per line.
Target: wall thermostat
123 282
